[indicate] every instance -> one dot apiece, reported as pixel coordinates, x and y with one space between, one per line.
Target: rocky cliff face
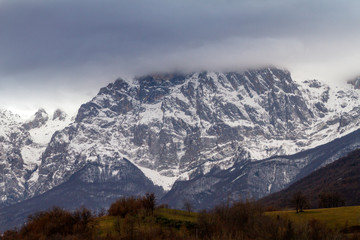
12 167
21 145
40 118
184 127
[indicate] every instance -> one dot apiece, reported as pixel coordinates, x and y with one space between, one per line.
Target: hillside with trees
139 218
334 185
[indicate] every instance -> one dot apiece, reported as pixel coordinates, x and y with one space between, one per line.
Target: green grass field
339 218
163 217
176 215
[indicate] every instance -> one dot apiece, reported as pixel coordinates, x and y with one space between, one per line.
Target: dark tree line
135 218
330 200
326 200
55 224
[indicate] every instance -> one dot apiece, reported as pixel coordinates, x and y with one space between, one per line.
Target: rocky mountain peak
8 120
38 120
355 82
59 115
6 114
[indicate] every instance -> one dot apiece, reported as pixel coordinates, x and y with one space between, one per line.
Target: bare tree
300 201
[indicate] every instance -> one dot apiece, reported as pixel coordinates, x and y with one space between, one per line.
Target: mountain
86 187
248 179
21 144
175 126
256 179
213 132
341 177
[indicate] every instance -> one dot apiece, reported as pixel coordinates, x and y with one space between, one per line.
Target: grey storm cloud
49 45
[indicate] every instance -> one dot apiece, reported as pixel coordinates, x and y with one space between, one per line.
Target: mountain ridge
21 145
340 177
182 126
245 180
256 179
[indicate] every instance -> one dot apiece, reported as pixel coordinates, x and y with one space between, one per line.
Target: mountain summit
21 146
39 119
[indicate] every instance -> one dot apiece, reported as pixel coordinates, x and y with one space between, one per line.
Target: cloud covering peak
63 51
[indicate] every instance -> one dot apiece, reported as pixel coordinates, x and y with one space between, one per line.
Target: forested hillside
340 179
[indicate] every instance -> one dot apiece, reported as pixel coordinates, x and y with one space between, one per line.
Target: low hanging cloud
63 51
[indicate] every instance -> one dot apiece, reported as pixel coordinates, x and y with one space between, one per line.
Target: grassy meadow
170 220
338 218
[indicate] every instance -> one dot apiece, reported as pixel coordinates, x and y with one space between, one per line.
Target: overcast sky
58 53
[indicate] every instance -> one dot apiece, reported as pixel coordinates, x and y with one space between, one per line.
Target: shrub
55 224
125 206
132 205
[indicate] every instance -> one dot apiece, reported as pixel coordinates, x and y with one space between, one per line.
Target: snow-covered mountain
12 169
173 126
184 126
21 144
256 179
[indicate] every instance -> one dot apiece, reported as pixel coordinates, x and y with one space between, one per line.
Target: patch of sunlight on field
161 217
333 217
106 225
178 215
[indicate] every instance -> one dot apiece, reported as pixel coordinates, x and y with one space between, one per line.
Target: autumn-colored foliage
131 205
56 224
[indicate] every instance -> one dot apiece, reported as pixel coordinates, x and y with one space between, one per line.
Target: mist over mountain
59 53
